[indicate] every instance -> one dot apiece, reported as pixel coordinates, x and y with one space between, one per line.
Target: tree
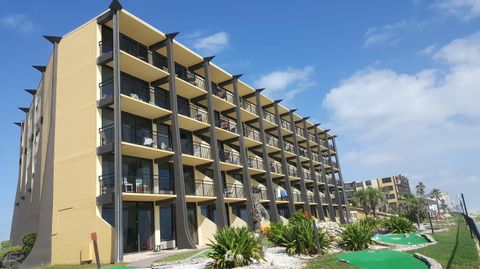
435 194
370 199
413 208
420 189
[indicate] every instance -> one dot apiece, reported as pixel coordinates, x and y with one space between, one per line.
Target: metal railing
276 167
255 162
302 152
228 156
233 191
306 174
292 171
248 106
136 183
129 87
159 61
269 116
191 78
261 191
297 197
251 133
202 151
311 138
201 188
272 141
288 147
198 113
285 124
139 136
222 93
226 124
472 227
315 157
310 198
299 131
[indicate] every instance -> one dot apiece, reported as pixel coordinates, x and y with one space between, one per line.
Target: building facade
395 186
135 137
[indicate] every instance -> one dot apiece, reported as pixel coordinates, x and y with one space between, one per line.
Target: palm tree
420 189
360 199
435 194
370 199
414 208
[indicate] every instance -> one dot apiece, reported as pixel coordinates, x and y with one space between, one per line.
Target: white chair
148 141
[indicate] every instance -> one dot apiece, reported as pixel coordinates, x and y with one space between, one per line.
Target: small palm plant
233 247
357 236
399 225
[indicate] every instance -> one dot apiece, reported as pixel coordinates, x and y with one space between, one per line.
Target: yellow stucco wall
75 213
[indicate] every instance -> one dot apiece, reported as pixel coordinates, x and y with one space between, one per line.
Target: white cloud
209 44
391 34
18 22
463 9
286 83
423 123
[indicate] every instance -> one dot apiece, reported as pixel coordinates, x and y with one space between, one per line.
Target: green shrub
372 223
7 250
234 247
27 243
356 236
275 233
396 224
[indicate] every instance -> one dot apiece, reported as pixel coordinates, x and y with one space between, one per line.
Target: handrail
202 151
248 106
135 183
229 156
233 191
285 124
292 171
255 162
191 78
288 147
272 141
202 188
269 116
299 131
226 124
276 167
139 136
250 132
222 93
198 113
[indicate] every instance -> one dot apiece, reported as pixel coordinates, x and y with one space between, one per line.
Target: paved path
145 259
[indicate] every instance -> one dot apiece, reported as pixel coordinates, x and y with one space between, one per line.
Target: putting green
382 259
400 239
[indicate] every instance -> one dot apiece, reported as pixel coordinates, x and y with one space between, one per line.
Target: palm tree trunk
438 208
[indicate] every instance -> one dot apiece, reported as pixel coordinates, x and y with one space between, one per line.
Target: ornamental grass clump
234 247
356 236
399 225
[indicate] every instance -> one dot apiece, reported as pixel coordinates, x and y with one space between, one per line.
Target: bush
7 250
27 243
399 225
234 247
298 236
372 223
356 236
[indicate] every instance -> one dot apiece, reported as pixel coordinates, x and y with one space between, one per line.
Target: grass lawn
179 256
328 262
455 249
86 266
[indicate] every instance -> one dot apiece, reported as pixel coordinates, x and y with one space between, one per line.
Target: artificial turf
367 259
400 239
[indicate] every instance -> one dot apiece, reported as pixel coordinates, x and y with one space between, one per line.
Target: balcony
286 127
272 145
248 111
316 158
200 191
289 149
141 143
312 140
233 192
311 198
138 187
192 117
255 165
226 128
276 169
188 84
303 154
229 160
197 154
297 197
251 136
292 171
306 174
300 133
262 193
135 98
269 121
222 99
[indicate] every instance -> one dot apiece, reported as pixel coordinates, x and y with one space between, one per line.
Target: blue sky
398 81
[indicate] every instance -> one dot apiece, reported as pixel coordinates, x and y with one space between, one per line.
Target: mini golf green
400 239
382 259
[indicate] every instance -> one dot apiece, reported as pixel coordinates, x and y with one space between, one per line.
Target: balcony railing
198 113
292 171
302 152
160 61
139 136
311 137
227 124
306 174
129 87
255 163
136 183
201 188
297 197
323 143
272 141
222 93
201 150
191 78
261 191
281 195
285 124
315 157
228 156
288 147
310 198
299 131
269 116
233 191
251 133
248 106
276 167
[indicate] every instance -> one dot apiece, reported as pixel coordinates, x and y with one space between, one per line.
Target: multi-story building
135 137
395 186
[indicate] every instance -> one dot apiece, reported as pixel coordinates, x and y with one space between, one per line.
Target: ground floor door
137 226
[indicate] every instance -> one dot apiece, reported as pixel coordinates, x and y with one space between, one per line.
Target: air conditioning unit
165 245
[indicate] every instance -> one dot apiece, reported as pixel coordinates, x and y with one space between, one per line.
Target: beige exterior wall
75 213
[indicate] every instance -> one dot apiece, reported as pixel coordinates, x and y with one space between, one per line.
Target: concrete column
303 188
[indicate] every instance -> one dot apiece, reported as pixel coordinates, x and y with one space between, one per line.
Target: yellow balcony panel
138 68
268 124
313 203
246 115
233 200
221 104
229 166
304 159
196 199
285 131
308 181
264 201
298 203
271 149
249 142
224 134
255 171
190 124
282 202
146 197
289 154
194 160
137 29
188 90
300 138
139 151
315 162
143 109
293 178
276 175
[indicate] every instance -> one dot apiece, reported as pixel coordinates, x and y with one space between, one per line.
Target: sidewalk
145 259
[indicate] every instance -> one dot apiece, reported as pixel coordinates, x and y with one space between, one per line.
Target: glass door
192 221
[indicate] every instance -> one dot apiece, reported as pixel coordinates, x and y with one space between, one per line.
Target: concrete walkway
145 259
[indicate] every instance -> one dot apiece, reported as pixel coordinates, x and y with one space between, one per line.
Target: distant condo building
395 186
134 136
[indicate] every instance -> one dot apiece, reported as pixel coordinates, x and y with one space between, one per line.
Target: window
163 136
183 106
165 176
167 224
368 183
209 211
189 177
386 180
162 98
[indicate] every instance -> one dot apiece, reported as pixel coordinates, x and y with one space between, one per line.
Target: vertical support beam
247 185
117 119
291 205
316 191
341 214
184 239
303 188
217 177
266 162
328 198
340 175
